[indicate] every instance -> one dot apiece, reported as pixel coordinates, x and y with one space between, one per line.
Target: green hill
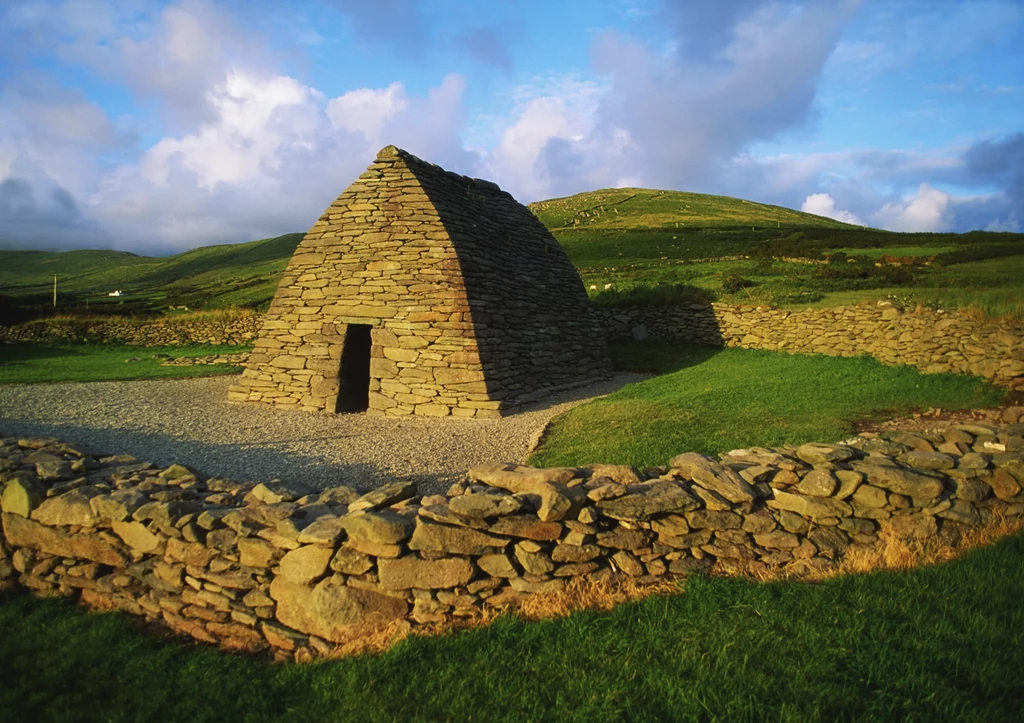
629 244
635 208
243 274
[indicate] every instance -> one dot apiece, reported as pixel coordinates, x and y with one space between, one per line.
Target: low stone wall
928 339
301 572
139 332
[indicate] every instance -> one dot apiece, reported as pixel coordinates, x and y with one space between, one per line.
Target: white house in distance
115 293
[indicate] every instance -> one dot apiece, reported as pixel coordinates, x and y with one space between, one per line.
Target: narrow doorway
354 376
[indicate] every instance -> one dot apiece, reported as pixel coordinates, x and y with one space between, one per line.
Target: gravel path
188 421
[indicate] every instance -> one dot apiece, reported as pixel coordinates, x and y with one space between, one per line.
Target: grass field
713 400
920 645
33 363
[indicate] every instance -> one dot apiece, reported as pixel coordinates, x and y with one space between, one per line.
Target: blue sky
157 126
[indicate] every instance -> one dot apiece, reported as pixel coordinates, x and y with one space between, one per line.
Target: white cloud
822 204
927 210
367 110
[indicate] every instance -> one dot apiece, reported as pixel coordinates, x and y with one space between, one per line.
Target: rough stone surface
470 304
211 560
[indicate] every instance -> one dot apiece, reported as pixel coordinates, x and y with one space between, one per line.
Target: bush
656 295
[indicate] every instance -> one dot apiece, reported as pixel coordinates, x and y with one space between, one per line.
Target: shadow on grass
20 353
659 357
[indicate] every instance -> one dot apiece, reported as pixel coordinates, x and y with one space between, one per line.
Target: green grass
713 400
922 645
32 363
244 274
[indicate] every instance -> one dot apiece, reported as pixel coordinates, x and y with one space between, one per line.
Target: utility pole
55 291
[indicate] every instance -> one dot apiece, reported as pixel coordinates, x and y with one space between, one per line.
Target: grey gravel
190 422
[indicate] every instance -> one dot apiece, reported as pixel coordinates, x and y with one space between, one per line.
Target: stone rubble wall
298 572
138 332
474 307
928 339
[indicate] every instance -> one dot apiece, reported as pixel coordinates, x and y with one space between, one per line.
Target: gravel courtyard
189 421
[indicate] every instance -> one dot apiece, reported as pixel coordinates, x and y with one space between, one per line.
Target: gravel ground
189 421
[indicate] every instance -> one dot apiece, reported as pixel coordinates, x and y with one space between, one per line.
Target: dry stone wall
472 305
137 332
931 340
299 572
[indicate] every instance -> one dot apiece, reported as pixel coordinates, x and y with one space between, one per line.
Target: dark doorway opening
354 376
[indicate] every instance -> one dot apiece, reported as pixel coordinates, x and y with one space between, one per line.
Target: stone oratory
421 291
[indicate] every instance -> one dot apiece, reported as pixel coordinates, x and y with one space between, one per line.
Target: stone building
420 291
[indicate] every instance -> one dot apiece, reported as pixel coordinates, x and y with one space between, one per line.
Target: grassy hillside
628 244
635 244
211 276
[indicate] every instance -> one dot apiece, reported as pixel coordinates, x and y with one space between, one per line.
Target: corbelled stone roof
473 306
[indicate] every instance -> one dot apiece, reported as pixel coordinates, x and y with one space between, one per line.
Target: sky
155 127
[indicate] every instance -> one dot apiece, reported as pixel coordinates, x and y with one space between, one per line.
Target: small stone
306 564
485 505
714 520
118 505
457 540
256 553
380 527
575 553
527 526
818 483
322 531
21 495
813 507
927 460
411 572
913 526
497 566
136 536
274 492
647 500
444 514
822 453
777 540
384 496
70 508
351 562
714 476
534 563
627 563
623 539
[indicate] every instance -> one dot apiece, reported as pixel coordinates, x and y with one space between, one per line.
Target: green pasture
33 363
713 400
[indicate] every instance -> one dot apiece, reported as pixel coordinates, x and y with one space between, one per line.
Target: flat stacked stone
281 567
931 340
474 307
